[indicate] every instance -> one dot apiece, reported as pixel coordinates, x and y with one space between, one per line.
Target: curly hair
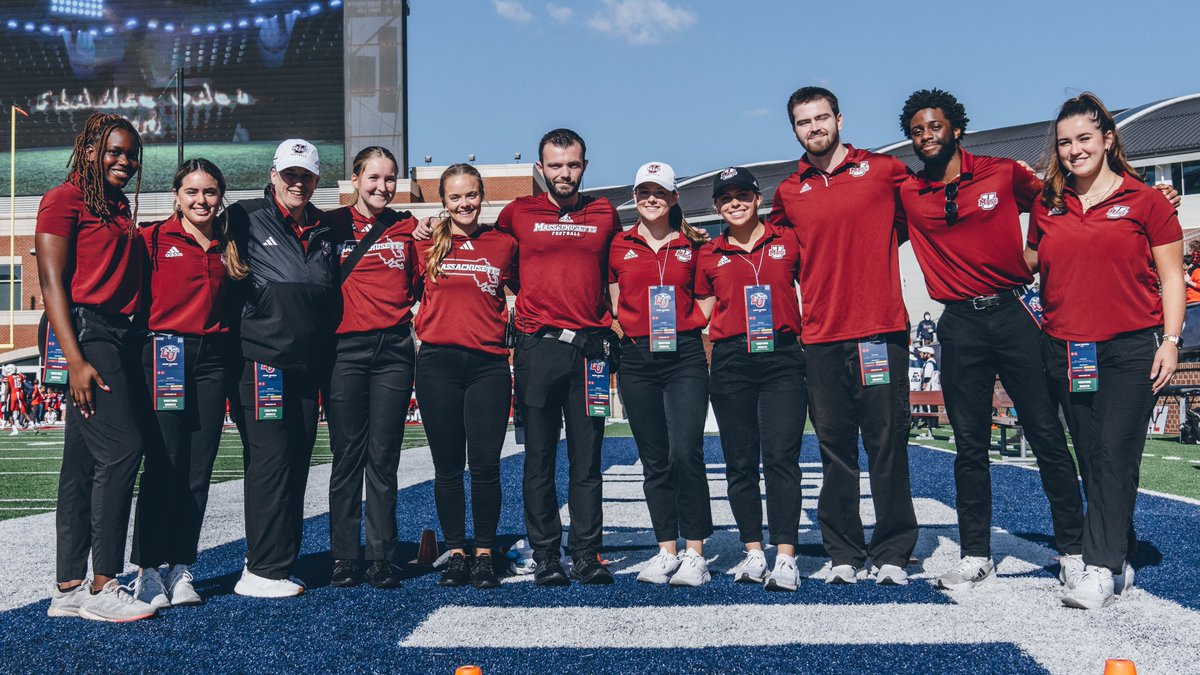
954 111
89 173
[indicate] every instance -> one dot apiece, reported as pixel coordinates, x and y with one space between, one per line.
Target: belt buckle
980 302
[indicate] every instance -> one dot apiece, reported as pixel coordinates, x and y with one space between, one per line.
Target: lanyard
742 256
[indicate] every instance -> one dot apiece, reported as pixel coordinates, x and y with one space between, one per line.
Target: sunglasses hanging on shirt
951 205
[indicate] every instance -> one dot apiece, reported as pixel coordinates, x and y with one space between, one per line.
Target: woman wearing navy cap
746 284
664 372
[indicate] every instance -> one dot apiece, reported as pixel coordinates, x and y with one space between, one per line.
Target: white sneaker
845 574
253 586
1070 568
693 570
1093 591
752 569
14 431
970 572
890 575
925 436
66 603
179 587
1124 580
148 587
784 577
114 603
658 570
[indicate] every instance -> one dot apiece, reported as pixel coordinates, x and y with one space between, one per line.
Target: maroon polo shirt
107 264
465 305
635 267
725 270
849 225
982 253
564 261
378 293
1098 274
186 282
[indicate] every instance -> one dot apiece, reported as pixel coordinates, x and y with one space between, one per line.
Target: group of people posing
270 302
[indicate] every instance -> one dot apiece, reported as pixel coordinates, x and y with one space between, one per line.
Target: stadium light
429 159
516 156
471 157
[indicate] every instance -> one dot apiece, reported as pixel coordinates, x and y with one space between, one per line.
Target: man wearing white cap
288 304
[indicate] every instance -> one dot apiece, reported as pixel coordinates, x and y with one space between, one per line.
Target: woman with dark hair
90 261
463 381
185 359
664 372
372 377
1105 367
746 285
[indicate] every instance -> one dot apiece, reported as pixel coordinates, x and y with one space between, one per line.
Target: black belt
780 337
576 337
980 302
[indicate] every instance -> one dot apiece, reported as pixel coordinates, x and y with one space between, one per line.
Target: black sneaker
383 574
483 575
548 571
457 572
345 574
588 569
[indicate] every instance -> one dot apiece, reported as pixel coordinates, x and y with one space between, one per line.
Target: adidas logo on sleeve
630 255
467 246
173 253
270 241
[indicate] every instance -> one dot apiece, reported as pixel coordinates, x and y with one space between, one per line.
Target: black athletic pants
978 345
276 454
1108 428
841 406
666 398
465 396
369 392
550 376
181 446
101 453
761 402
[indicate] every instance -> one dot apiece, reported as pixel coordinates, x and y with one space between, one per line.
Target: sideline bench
936 404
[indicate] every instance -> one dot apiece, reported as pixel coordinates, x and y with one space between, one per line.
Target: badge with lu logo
268 392
599 396
1082 369
1033 304
56 363
168 372
873 361
760 325
662 319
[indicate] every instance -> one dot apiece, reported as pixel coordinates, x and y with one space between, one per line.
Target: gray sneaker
752 569
114 603
784 577
845 574
148 587
889 575
179 587
1070 569
66 603
658 570
693 570
971 571
1093 591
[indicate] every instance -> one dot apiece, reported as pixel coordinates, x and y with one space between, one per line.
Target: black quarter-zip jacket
289 304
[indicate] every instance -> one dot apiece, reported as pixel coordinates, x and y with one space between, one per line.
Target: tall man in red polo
842 203
563 320
964 224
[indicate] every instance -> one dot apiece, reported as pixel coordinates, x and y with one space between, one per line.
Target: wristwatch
1173 338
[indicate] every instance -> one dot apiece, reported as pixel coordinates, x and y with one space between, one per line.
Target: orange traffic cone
468 670
427 552
1119 667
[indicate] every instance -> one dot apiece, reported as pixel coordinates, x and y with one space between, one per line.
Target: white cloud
641 22
512 10
559 13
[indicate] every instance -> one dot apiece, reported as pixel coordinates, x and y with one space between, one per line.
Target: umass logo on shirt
391 253
485 274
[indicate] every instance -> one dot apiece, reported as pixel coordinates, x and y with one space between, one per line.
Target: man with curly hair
965 228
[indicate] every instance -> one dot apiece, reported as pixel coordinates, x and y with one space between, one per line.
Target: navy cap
736 176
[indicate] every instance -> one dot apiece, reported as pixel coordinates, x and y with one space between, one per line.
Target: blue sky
702 85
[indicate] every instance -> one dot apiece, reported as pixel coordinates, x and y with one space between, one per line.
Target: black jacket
289 302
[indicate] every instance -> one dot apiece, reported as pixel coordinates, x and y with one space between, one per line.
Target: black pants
666 397
550 378
761 402
1108 428
465 396
181 446
276 455
978 345
841 407
101 453
369 392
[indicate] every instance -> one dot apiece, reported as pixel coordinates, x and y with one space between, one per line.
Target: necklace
1089 201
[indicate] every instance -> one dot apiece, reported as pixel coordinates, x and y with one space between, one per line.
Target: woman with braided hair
90 264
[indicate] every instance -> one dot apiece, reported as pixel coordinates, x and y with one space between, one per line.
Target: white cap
657 173
297 152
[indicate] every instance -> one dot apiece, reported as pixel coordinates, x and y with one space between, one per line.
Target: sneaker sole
890 581
773 585
657 580
59 612
554 581
189 602
703 580
841 581
245 594
965 586
1077 604
84 614
747 579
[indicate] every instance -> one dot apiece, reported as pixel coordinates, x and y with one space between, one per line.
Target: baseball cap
657 173
734 175
297 152
926 350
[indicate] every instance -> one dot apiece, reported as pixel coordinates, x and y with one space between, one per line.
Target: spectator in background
926 330
1191 276
1193 255
928 370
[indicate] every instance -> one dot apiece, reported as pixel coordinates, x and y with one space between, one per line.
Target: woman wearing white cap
288 314
664 372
